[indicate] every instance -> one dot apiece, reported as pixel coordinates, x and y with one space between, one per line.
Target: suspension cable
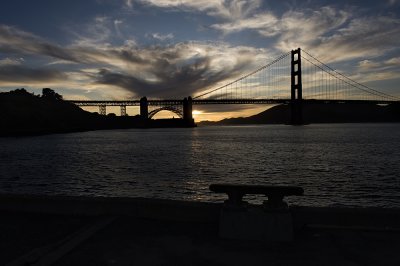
367 89
245 76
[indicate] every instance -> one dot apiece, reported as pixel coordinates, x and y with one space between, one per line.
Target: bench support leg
275 202
256 224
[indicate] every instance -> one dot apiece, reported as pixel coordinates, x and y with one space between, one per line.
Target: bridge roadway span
216 101
183 108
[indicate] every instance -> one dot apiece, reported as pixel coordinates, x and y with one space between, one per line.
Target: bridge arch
172 109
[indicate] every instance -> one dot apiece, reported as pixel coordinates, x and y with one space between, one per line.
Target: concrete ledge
159 209
190 211
378 218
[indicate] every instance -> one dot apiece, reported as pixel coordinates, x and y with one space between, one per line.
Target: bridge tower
187 109
102 109
144 108
296 89
123 110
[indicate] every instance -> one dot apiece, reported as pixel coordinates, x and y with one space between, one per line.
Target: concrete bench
275 194
239 220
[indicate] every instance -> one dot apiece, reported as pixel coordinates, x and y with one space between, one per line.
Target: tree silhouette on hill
50 94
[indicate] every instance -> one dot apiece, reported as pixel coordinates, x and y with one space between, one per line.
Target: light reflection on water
352 165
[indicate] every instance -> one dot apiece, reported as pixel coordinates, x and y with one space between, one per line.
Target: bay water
336 164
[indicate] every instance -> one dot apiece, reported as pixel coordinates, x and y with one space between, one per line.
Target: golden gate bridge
309 79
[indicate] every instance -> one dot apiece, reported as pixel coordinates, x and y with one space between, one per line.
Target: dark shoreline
159 123
137 231
164 124
162 209
106 123
25 114
318 113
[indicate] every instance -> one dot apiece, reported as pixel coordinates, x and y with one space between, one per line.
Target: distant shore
25 114
319 113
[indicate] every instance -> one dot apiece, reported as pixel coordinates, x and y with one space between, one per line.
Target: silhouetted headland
23 113
321 113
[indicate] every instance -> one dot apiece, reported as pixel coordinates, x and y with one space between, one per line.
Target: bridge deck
222 101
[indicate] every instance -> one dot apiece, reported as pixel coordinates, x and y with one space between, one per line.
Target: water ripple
337 165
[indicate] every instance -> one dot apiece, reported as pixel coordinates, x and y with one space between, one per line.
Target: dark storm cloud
13 40
171 80
162 71
21 74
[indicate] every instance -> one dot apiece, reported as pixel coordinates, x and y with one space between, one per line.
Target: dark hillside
24 113
321 113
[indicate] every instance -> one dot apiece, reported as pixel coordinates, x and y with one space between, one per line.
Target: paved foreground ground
50 239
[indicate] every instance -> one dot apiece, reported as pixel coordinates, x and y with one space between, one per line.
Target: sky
124 49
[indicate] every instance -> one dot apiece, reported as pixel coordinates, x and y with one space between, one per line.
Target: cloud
308 28
16 74
265 24
15 41
379 70
98 31
227 9
129 3
117 23
173 70
162 71
10 61
181 69
368 64
160 37
363 37
330 33
393 61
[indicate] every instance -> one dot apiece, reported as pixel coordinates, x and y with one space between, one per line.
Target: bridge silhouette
309 79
